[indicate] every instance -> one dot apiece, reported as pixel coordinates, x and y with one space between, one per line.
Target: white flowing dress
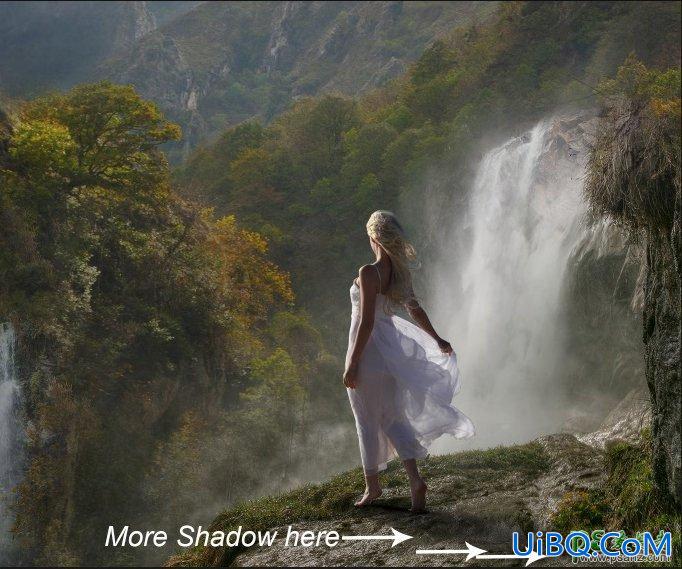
403 398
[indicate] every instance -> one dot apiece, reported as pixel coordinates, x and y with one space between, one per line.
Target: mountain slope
224 62
306 179
214 64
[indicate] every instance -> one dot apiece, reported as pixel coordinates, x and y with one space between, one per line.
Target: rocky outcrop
634 179
642 281
626 422
173 85
479 497
284 22
138 23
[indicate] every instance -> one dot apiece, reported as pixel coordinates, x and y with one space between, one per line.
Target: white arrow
532 557
397 537
477 552
471 551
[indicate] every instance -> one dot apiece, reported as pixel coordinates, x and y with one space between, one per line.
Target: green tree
115 134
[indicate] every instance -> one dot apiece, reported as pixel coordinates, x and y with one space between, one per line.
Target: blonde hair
383 227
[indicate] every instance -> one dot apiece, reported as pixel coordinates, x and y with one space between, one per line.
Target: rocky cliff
479 497
634 180
624 271
662 338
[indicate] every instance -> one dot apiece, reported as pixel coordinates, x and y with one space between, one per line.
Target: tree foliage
634 172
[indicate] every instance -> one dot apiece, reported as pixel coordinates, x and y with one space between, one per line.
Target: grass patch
627 500
634 167
581 509
310 502
529 458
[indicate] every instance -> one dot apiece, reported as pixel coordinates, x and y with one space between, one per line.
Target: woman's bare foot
418 492
368 497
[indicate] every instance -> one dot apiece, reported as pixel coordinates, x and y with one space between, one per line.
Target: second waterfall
11 440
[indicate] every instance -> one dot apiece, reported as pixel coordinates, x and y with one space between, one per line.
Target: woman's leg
372 490
417 485
404 440
366 401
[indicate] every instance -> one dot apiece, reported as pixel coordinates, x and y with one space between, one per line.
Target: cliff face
353 46
634 179
662 338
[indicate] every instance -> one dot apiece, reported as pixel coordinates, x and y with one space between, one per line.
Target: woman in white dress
401 378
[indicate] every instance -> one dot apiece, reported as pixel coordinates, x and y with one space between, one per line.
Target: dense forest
180 329
157 332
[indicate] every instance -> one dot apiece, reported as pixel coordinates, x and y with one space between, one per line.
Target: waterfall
11 437
497 289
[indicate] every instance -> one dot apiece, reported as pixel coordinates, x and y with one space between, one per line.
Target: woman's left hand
445 347
350 377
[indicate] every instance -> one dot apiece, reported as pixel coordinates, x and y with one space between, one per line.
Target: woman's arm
369 286
419 315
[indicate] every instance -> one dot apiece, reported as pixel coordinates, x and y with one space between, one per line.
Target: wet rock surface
625 422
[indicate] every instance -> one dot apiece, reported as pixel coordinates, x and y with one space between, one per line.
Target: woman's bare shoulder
367 275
